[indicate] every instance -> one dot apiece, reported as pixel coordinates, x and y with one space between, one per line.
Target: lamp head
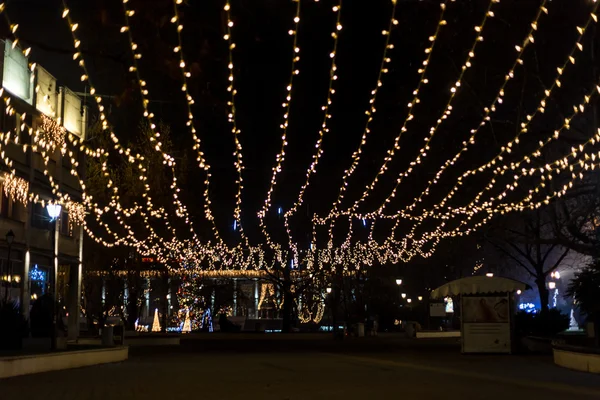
10 237
53 211
328 290
398 282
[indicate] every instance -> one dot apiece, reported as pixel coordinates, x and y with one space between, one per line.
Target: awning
478 285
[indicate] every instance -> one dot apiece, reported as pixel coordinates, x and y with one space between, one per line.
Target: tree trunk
544 293
288 298
133 311
164 302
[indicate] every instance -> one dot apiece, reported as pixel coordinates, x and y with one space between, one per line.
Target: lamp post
54 211
10 237
399 282
329 290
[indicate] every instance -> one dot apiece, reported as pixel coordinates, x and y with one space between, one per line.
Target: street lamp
409 300
420 298
328 290
398 282
54 211
403 295
10 237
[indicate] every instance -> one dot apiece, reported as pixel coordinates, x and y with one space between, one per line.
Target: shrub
545 323
13 325
585 289
228 326
41 316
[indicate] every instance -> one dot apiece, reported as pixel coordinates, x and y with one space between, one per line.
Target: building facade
41 123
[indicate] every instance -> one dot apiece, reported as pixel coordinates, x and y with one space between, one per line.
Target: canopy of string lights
320 134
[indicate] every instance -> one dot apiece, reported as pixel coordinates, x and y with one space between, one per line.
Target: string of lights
370 112
445 113
526 203
237 153
168 160
76 210
335 34
488 111
578 47
556 167
52 135
524 125
193 255
190 123
423 80
135 159
527 158
280 157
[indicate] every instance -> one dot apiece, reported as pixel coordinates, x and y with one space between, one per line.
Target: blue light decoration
279 210
36 274
527 307
555 298
207 321
235 225
329 328
364 222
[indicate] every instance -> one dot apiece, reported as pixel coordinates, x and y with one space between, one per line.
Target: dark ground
309 367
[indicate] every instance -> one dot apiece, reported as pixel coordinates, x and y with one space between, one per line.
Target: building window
4 205
64 224
9 122
39 217
39 281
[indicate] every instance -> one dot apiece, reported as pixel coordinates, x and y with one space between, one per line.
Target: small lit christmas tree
191 303
187 325
573 325
156 323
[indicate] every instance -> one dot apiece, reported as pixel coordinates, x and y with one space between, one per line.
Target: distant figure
370 326
223 322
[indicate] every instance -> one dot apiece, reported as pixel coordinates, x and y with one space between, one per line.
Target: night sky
262 59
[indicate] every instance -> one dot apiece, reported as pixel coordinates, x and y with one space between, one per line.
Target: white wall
46 96
17 76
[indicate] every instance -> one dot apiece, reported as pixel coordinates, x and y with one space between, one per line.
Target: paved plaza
262 369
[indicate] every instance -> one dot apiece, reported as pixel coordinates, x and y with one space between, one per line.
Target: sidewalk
309 376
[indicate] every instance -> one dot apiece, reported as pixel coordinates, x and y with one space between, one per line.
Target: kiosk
487 311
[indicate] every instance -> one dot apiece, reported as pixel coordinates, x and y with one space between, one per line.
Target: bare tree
528 241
